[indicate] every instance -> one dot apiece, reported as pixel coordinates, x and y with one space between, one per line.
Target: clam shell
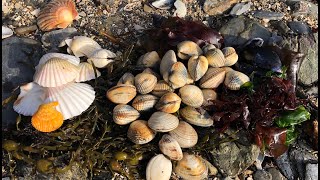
161 88
84 46
140 133
126 78
187 49
208 47
73 98
215 58
170 147
101 57
159 168
162 122
6 32
144 102
57 14
169 103
191 95
208 95
150 71
234 80
191 167
198 117
213 78
30 98
166 63
178 75
162 4
86 72
197 67
72 59
149 60
189 79
56 72
145 82
230 55
124 114
121 94
185 135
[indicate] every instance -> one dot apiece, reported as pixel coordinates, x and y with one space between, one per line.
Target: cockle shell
126 78
101 57
169 103
191 167
197 67
56 72
162 122
208 95
189 79
161 88
57 14
145 82
215 58
84 46
144 102
121 94
235 79
213 78
185 135
86 72
178 75
124 114
159 168
187 49
191 95
166 63
149 60
150 71
208 47
140 133
170 147
73 98
30 98
230 55
198 117
6 32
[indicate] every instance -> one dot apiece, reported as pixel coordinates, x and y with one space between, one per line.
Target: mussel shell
266 58
235 79
159 168
185 135
170 147
197 67
213 78
145 82
230 55
169 103
191 95
161 88
215 58
187 49
144 102
140 133
198 117
162 122
121 94
124 114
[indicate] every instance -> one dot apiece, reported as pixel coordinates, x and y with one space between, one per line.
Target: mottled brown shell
140 133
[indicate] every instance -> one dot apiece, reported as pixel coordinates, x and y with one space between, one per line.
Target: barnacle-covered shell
57 14
166 63
83 46
126 78
124 114
170 147
185 134
230 55
191 167
213 78
198 117
178 75
163 122
121 94
159 168
144 102
30 98
191 95
161 88
208 95
197 67
215 58
234 80
145 82
140 133
208 47
86 72
186 49
169 103
6 32
149 60
101 57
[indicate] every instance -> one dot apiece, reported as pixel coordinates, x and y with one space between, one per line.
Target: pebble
26 29
311 172
181 9
147 8
262 175
53 39
284 164
276 174
281 26
299 27
82 14
215 7
269 15
240 8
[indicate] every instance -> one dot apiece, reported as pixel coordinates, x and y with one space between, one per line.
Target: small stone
36 12
280 26
54 38
276 174
286 167
240 8
82 14
311 172
26 29
267 15
181 9
299 27
215 7
147 8
262 175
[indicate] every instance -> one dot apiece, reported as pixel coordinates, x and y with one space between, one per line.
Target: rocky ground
287 23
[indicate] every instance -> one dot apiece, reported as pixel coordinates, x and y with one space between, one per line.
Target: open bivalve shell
230 55
144 102
191 95
167 61
198 117
163 122
145 82
124 114
161 88
191 167
73 98
197 67
122 93
187 49
169 103
234 80
170 147
126 78
86 72
101 57
57 14
149 60
82 46
213 78
6 32
140 133
215 58
185 135
30 98
159 168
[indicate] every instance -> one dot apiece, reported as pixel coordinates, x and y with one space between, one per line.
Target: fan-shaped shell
73 98
178 75
191 167
140 133
144 102
145 82
230 55
185 135
159 168
84 46
234 80
163 122
197 67
124 114
149 60
198 117
191 95
208 95
161 88
187 49
6 32
215 58
56 72
170 147
126 78
121 94
86 72
208 47
213 78
169 103
166 63
57 14
72 59
30 98
100 57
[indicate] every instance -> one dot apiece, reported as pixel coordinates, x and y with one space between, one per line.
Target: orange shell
57 14
47 118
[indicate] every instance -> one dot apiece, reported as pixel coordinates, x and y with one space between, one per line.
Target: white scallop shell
72 59
159 168
101 58
30 98
86 72
6 32
83 46
73 98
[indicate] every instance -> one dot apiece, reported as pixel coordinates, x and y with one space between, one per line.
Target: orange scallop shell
57 14
47 118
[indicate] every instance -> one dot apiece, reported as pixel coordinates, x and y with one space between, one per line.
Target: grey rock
313 91
54 38
305 8
299 158
215 7
262 175
267 15
276 174
281 26
240 8
299 27
285 166
26 29
312 172
241 29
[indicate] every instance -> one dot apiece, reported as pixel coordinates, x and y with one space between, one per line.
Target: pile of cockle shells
194 84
